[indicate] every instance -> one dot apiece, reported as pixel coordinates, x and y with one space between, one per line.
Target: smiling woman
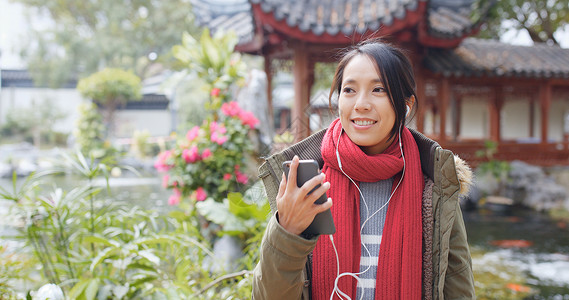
381 176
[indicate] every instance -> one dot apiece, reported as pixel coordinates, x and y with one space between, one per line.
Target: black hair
396 75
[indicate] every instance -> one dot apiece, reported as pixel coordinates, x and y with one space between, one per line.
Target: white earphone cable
339 275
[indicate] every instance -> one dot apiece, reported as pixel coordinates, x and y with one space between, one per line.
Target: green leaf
151 257
211 52
182 53
107 252
78 288
155 240
214 211
143 280
91 290
245 210
139 266
102 240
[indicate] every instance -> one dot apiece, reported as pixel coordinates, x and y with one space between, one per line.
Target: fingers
313 182
292 172
317 193
322 207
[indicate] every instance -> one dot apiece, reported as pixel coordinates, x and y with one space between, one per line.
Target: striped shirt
376 194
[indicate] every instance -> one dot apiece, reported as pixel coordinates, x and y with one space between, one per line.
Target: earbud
408 110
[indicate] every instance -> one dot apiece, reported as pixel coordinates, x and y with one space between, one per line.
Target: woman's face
366 113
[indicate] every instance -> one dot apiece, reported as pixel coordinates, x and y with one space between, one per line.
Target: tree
110 88
89 35
540 18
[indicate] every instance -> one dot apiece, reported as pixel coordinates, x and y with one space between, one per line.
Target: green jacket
284 268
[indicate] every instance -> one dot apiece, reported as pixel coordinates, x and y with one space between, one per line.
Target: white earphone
408 110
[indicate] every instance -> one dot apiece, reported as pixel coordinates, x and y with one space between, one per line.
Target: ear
409 103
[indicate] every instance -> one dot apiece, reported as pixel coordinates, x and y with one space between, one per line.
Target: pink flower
201 194
215 92
231 109
161 165
219 139
241 178
191 155
165 180
226 176
248 118
174 199
206 153
219 128
193 133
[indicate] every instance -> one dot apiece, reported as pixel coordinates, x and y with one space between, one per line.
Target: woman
400 232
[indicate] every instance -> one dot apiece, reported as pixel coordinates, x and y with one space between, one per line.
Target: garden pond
520 255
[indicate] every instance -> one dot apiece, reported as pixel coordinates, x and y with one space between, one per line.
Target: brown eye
378 90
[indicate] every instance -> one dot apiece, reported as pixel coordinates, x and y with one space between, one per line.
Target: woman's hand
296 209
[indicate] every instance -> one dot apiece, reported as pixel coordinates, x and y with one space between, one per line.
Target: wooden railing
550 154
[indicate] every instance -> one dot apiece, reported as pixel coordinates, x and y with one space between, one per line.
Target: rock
531 187
6 170
25 167
527 185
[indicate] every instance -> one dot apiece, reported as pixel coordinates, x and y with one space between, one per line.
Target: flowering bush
209 160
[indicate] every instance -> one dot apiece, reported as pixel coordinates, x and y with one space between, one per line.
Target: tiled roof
446 19
450 18
23 79
335 16
234 15
148 102
477 57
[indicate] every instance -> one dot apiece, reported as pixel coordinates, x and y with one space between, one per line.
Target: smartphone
323 222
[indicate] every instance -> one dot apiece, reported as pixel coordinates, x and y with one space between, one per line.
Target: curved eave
411 19
427 39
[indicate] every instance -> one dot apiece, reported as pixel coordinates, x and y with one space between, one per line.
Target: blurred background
126 125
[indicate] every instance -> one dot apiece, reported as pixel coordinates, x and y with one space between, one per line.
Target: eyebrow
349 80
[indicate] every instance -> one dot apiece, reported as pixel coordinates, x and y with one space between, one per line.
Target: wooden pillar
300 120
457 116
532 117
269 72
433 108
444 92
545 103
495 106
284 123
421 101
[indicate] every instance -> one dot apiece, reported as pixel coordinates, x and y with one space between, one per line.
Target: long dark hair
396 75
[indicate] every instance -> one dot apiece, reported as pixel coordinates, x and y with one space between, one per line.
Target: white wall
65 100
557 113
515 118
474 118
157 122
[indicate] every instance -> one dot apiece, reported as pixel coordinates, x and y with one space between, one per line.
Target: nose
362 103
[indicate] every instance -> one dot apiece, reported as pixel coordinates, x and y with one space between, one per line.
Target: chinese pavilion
470 91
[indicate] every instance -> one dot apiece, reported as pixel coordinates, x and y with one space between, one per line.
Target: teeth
363 123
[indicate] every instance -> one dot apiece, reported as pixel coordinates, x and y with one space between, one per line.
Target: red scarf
400 257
